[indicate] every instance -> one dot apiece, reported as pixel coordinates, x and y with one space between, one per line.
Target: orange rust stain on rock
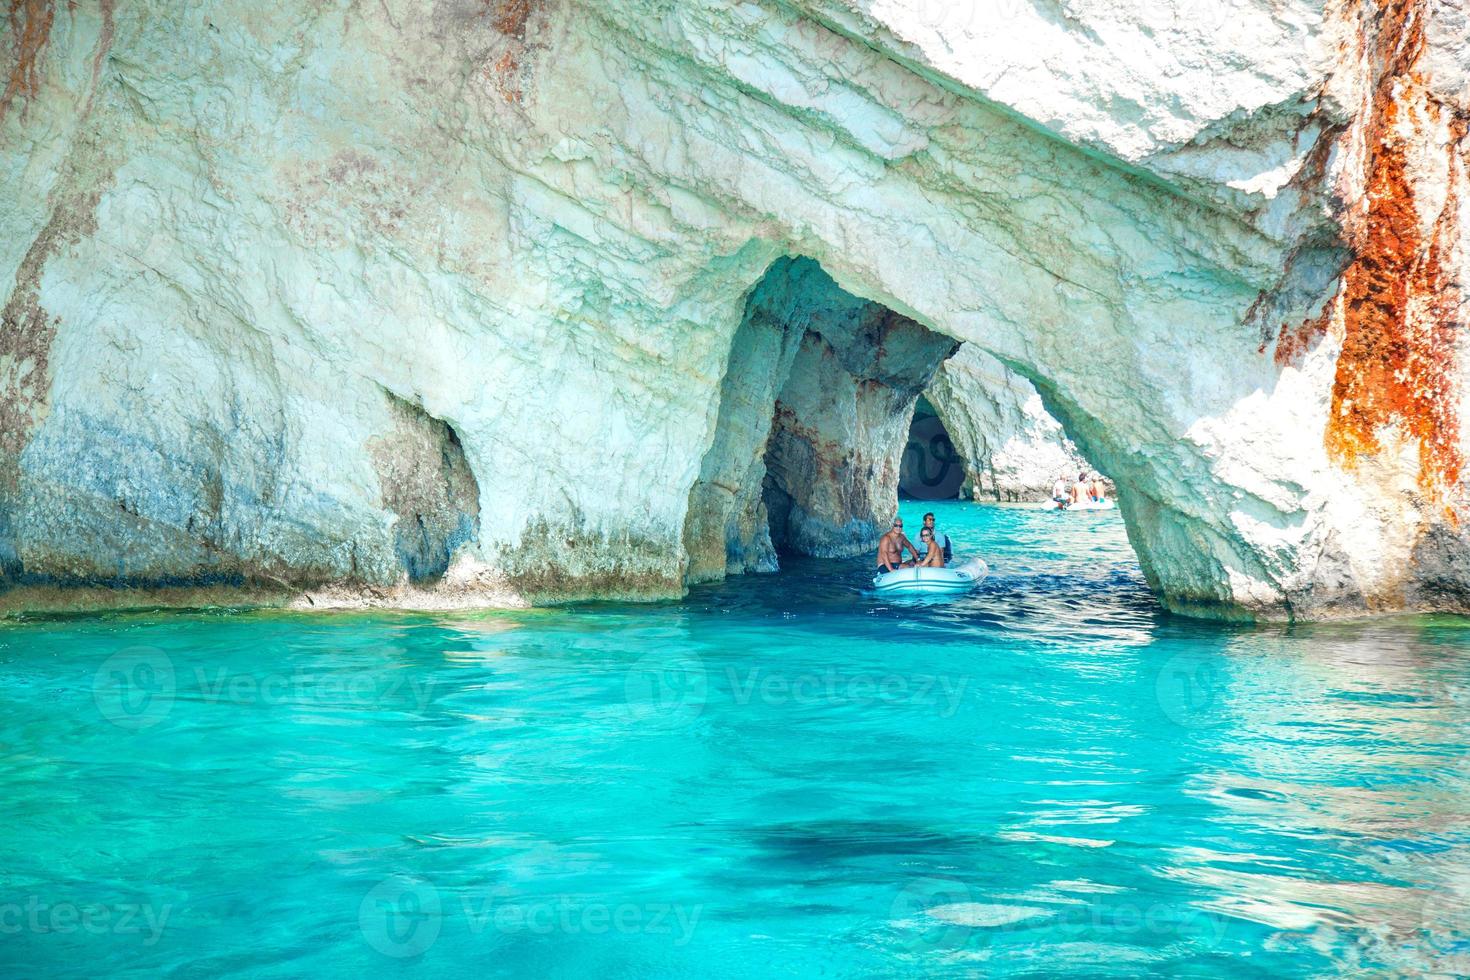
510 18
1397 369
1293 342
505 76
30 29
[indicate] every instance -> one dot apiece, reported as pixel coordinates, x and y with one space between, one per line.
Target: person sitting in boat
891 547
933 552
1079 489
1096 490
1059 494
942 539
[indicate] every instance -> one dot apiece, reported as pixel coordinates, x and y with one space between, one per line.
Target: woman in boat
933 553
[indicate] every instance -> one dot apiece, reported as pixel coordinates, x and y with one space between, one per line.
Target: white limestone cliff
261 263
1009 445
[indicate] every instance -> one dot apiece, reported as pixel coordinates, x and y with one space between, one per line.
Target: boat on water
1085 505
933 581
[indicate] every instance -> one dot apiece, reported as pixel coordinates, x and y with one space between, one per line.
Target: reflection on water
779 775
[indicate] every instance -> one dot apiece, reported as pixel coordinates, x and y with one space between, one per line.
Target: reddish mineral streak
1396 369
505 72
30 29
1293 342
510 19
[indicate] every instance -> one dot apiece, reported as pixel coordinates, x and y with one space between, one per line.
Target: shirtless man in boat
891 547
1079 489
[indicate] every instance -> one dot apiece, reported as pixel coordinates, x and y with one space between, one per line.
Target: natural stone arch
813 414
576 199
932 466
1014 449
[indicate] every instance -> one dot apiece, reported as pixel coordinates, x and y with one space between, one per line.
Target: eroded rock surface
841 421
814 410
428 487
1223 243
1010 447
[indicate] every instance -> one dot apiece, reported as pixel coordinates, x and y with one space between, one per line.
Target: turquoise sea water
779 776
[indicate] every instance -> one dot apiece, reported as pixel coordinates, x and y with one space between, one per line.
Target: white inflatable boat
1085 505
959 578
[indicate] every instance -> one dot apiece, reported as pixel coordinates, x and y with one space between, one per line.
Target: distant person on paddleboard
891 547
943 539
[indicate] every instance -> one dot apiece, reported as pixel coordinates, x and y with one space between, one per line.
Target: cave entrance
999 432
816 408
931 467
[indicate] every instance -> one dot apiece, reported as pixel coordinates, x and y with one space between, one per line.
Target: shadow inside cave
932 467
815 411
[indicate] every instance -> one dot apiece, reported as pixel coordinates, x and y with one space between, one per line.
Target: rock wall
1011 447
1223 243
841 422
814 409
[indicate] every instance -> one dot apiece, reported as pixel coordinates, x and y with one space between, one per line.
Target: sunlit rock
1009 446
1224 245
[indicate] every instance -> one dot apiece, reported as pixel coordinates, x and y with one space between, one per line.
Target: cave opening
997 430
816 408
931 466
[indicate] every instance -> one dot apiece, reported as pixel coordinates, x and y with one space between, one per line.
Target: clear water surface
779 776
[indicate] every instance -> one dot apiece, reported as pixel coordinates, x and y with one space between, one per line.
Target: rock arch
574 199
931 466
813 414
1014 450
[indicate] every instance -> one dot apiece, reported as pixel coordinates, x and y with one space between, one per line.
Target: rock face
1011 448
258 260
814 410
